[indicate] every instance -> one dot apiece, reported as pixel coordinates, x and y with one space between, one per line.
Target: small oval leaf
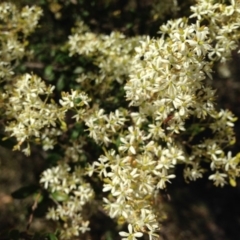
59 196
51 236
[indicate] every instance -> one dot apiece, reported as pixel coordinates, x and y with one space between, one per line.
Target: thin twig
34 207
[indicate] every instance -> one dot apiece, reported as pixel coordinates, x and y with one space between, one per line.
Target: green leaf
74 134
51 236
53 158
77 130
26 191
129 25
59 196
48 73
60 83
109 235
78 70
85 13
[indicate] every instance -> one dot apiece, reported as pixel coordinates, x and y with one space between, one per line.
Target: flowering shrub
162 115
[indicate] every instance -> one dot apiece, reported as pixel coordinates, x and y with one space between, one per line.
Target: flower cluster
168 83
112 56
223 24
171 103
112 53
28 112
71 193
32 114
15 26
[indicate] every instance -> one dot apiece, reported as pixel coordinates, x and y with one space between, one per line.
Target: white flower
218 178
130 235
84 227
164 178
